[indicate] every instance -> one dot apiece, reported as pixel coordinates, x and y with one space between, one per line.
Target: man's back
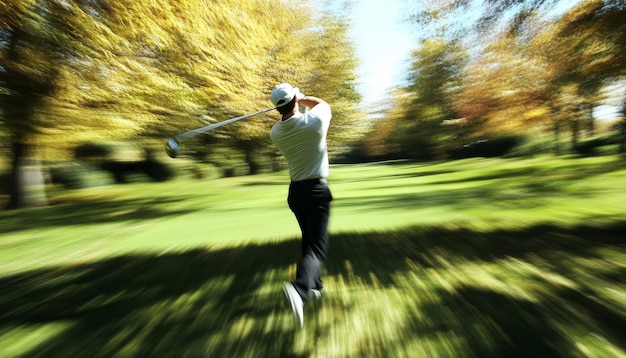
302 140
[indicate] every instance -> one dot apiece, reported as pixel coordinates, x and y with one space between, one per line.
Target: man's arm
310 101
323 111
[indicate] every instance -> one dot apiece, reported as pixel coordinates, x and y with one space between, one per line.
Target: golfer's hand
299 95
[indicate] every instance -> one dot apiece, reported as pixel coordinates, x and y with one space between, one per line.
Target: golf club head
171 147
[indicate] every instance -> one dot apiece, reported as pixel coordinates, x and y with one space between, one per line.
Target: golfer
301 138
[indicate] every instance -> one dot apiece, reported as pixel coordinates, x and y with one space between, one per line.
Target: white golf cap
283 94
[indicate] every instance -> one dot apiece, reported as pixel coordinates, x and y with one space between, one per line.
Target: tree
313 53
332 76
435 77
583 51
382 139
537 71
29 46
74 69
233 60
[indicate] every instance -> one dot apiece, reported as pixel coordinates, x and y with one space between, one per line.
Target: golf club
173 144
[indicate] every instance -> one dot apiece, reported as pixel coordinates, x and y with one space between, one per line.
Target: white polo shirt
302 140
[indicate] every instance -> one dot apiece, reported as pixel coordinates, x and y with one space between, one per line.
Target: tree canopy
74 70
521 68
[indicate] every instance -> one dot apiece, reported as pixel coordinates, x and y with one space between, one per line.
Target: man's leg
314 227
305 246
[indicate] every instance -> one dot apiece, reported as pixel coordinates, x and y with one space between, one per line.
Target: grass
472 258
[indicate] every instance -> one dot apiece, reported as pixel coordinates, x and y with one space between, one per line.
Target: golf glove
299 95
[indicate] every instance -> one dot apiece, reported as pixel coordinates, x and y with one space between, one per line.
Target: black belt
311 181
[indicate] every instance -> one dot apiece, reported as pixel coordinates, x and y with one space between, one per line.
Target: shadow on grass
521 196
537 171
227 302
532 179
514 189
166 305
92 211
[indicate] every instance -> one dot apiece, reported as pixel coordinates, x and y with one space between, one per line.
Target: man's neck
296 109
286 116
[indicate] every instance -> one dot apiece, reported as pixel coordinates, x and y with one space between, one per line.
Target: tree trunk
575 133
26 184
591 122
276 164
557 139
253 166
622 145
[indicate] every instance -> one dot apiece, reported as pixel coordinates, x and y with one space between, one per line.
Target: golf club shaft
196 131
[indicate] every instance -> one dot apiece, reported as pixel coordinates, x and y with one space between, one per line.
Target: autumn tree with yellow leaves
74 70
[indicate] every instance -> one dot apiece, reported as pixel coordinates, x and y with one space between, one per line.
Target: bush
234 171
157 171
539 145
76 175
591 146
5 178
495 146
151 168
91 151
204 171
124 162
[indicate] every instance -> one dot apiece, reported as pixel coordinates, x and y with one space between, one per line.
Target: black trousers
309 200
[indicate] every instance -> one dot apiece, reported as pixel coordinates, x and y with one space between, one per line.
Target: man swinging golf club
301 138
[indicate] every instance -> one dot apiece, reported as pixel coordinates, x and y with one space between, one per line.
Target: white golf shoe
295 302
316 294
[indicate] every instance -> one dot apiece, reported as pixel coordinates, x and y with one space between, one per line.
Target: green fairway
471 258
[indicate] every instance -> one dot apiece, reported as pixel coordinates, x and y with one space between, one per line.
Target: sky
383 54
383 43
384 39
